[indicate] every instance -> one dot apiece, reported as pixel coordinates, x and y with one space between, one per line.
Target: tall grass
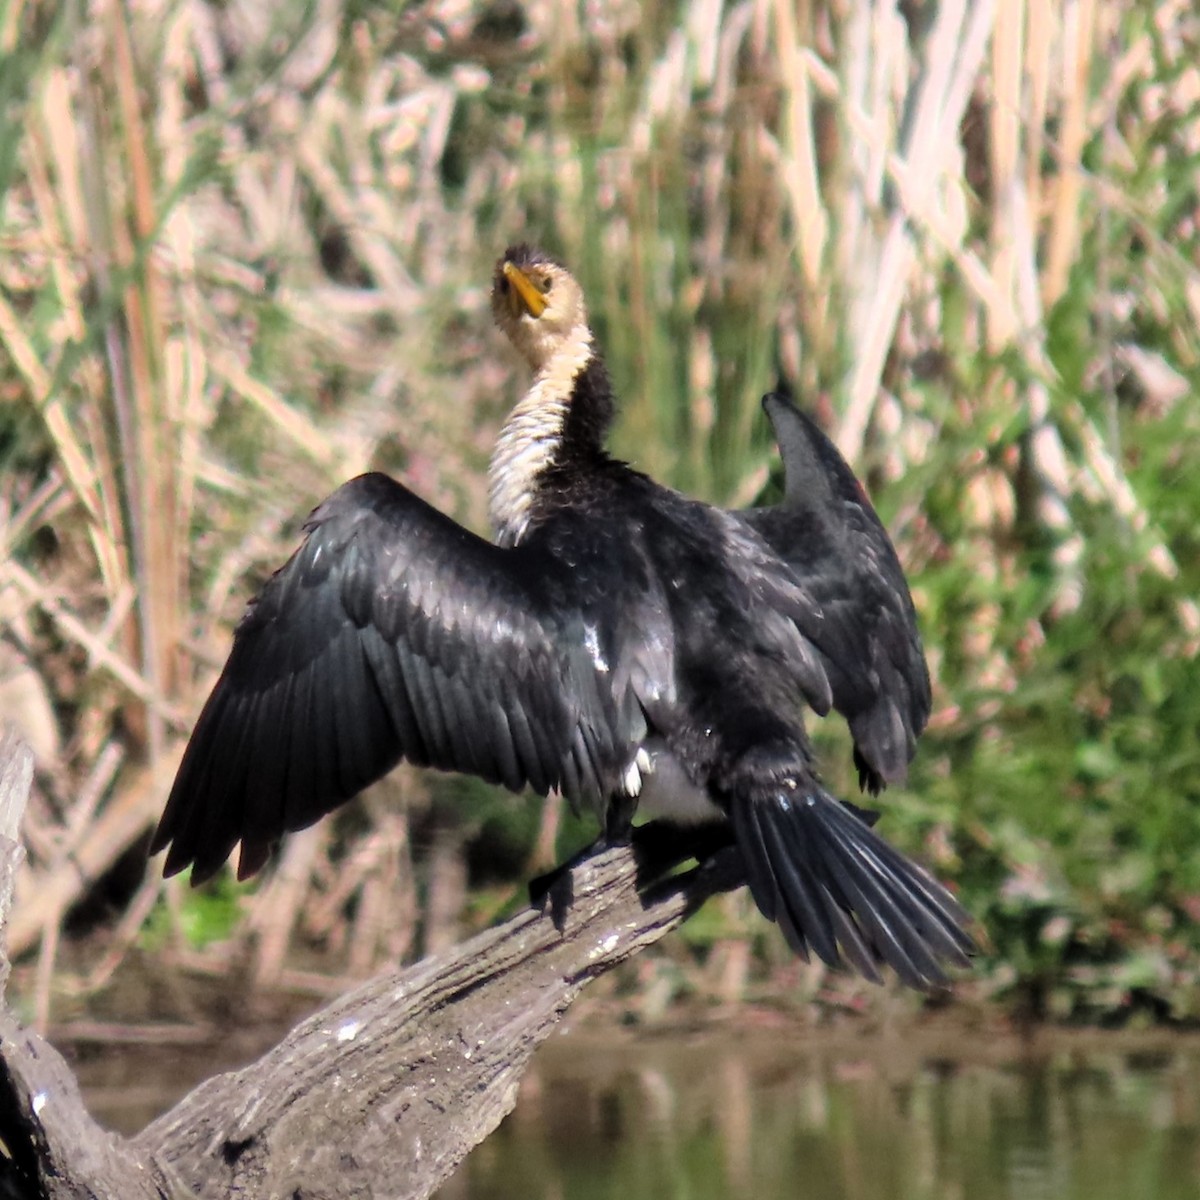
245 252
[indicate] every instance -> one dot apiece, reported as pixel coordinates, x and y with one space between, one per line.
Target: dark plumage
828 533
620 642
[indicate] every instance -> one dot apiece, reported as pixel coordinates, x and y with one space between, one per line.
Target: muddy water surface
928 1115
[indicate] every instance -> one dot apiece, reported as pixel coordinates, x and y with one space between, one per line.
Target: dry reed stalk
111 1033
99 652
324 914
1063 235
66 205
671 177
43 980
278 905
938 98
375 250
43 505
124 936
386 928
58 424
146 449
367 930
1013 312
1004 144
82 811
544 854
446 891
799 158
291 423
10 25
40 831
122 822
1041 25
729 970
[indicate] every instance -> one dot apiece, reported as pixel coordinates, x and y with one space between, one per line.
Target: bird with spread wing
632 647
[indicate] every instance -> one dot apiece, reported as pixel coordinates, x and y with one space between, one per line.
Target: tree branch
394 1082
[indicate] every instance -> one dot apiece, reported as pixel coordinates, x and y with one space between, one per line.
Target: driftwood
381 1094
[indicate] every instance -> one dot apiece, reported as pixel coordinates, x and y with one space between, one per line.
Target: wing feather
391 633
861 618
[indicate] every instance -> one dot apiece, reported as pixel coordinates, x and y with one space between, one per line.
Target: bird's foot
540 886
555 887
661 847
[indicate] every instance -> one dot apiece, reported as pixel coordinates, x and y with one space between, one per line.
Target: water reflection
951 1116
868 1121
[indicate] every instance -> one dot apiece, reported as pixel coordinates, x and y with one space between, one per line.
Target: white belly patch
664 791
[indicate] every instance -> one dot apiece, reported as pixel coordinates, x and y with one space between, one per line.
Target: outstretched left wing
392 632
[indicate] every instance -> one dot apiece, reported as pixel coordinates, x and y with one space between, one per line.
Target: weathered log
383 1092
54 1148
16 776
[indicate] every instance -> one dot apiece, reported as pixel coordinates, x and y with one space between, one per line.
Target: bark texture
380 1094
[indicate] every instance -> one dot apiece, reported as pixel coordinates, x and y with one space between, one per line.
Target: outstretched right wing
866 630
392 632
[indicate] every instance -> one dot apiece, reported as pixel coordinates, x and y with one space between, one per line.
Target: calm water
942 1116
872 1120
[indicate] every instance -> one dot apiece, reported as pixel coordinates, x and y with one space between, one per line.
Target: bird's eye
504 285
547 284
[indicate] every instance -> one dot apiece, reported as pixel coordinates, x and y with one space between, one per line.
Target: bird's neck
559 424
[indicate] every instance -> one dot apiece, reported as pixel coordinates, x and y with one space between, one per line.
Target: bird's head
538 304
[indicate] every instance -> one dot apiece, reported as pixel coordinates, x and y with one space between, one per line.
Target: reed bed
245 253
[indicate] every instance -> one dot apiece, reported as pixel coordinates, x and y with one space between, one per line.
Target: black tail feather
800 895
837 888
928 908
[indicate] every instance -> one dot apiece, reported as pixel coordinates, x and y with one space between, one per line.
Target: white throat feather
529 442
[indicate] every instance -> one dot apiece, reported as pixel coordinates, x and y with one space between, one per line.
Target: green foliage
319 215
206 915
1071 792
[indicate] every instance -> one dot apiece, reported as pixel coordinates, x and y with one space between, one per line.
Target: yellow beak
525 293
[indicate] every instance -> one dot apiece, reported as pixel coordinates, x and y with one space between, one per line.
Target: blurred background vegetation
245 252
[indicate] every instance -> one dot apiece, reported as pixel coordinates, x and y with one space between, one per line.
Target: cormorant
619 641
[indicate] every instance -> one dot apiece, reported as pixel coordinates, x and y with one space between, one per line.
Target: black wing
392 632
866 628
